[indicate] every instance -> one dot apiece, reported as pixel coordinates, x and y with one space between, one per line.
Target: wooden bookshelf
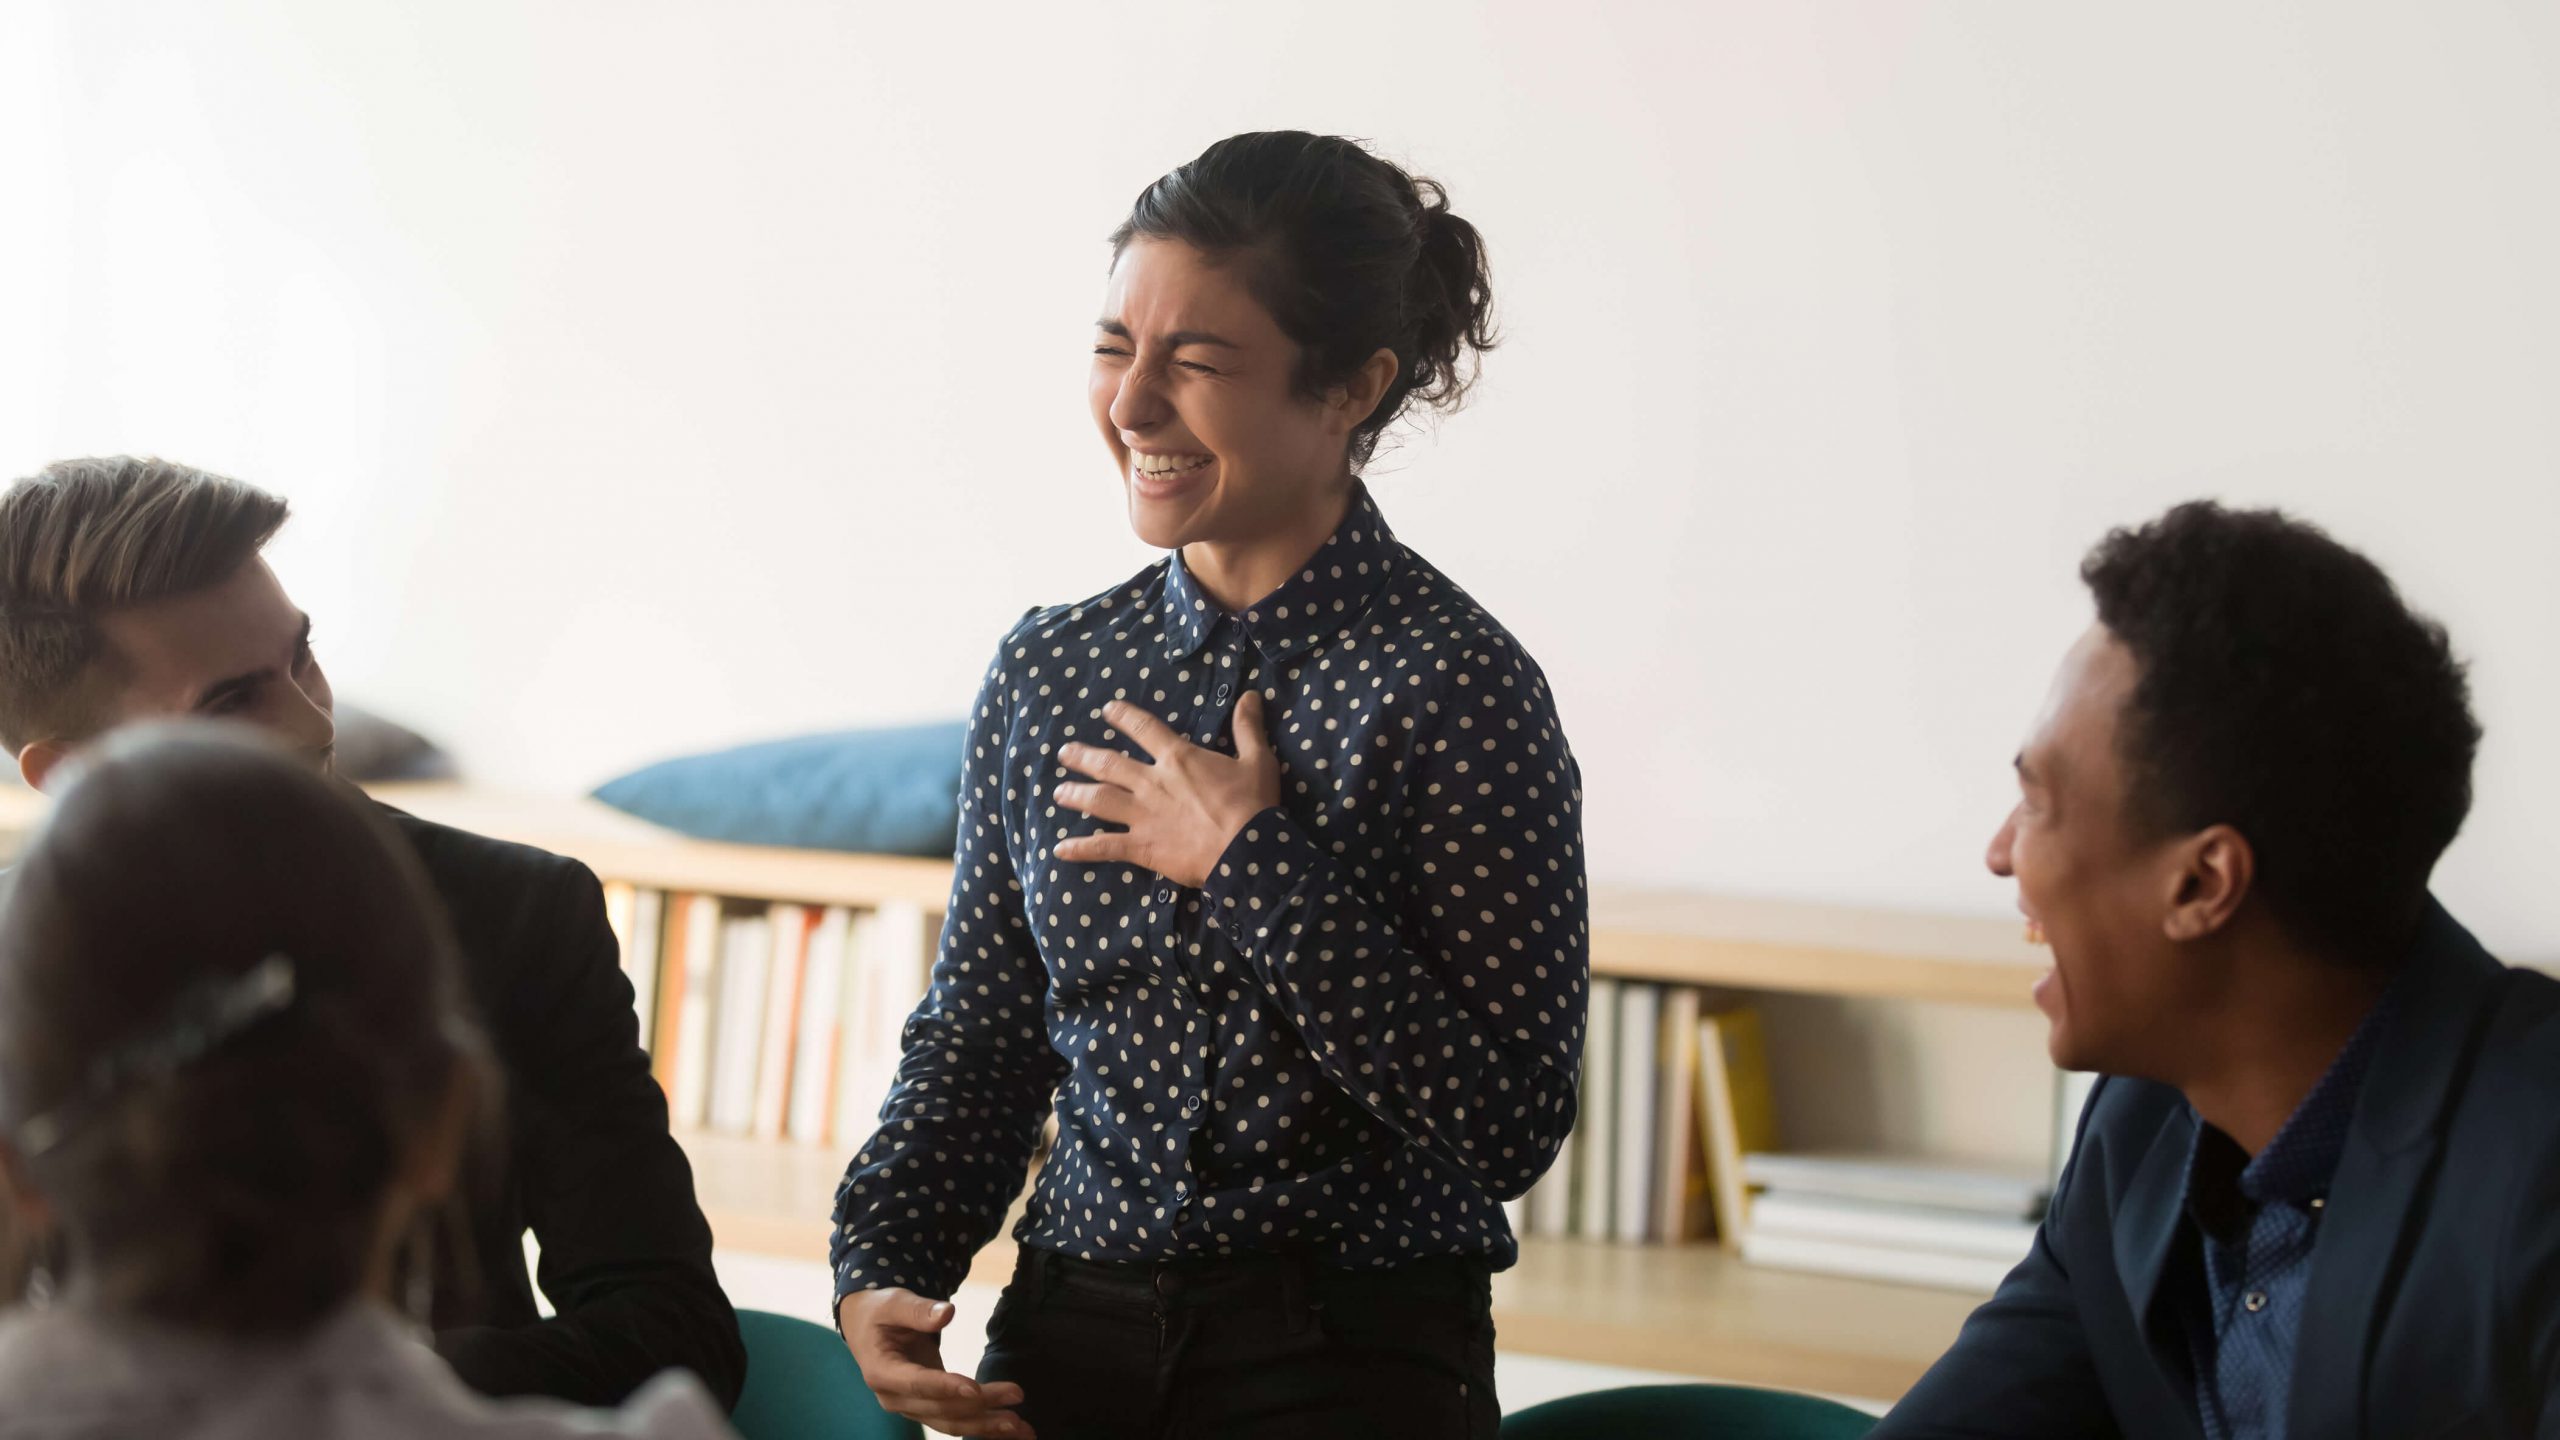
1687 938
1675 937
1686 1310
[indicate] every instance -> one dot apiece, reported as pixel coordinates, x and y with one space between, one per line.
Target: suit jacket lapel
2150 1239
2390 1151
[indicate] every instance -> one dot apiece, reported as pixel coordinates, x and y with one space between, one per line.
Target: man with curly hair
2319 1193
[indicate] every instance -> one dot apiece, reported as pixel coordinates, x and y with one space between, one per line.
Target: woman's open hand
1179 813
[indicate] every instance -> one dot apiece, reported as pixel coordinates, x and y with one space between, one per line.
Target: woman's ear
1356 399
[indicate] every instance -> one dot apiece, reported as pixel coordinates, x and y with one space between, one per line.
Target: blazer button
2256 1300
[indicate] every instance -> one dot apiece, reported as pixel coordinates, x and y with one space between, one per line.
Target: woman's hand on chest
1178 809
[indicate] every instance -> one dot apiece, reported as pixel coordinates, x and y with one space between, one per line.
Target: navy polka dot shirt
1357 1040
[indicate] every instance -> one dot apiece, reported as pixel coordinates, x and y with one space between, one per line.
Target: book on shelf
1875 1262
1736 1112
1635 1167
2000 1192
621 916
819 1049
1907 1227
784 984
779 1021
1595 1151
1639 1090
1682 1210
640 948
685 1005
746 968
891 950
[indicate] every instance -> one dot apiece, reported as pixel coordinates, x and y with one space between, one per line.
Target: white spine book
1897 1227
1596 1157
787 975
640 961
1639 1086
858 1093
746 963
819 1051
1875 1262
693 1022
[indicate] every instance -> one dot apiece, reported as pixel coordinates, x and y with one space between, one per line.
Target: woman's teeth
2035 932
1167 464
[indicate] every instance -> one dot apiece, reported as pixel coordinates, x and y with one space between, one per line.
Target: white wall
651 376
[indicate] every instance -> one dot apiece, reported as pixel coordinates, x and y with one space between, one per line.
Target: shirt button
2256 1300
1165 895
1225 690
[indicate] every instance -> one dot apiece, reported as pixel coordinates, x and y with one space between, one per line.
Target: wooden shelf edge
1664 936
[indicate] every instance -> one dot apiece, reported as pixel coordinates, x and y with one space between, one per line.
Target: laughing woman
1270 873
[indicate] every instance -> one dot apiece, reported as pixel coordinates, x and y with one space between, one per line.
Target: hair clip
205 1017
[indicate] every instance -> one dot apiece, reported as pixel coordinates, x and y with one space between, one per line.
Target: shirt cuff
1259 877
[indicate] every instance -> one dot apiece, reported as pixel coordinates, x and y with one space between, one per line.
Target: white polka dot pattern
1355 1042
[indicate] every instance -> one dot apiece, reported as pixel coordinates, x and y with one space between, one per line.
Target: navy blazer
2434 1302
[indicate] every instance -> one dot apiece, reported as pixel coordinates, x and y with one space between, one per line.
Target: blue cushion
886 792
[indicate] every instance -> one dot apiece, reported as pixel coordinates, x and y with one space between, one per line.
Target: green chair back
1672 1412
802 1384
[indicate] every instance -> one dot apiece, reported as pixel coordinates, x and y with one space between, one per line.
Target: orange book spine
662 1060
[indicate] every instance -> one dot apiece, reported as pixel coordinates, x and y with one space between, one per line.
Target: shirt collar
1330 592
2297 1166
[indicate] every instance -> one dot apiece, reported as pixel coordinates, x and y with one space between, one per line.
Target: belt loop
1294 1305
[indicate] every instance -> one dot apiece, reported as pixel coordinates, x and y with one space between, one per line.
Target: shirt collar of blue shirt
2223 1185
1325 598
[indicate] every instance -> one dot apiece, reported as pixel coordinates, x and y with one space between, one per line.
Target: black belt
1294 1284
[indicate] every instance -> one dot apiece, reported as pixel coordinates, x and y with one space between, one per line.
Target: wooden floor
1690 1310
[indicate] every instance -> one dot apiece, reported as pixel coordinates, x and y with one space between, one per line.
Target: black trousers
1267 1348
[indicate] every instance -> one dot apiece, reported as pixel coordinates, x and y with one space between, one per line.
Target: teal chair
803 1385
1674 1412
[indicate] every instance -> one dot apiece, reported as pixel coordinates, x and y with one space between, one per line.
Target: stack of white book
772 1020
1910 1221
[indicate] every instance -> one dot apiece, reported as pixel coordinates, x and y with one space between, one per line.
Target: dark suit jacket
587 1163
2434 1300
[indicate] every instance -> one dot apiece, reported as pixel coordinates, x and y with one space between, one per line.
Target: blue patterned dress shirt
2258 1219
1353 1043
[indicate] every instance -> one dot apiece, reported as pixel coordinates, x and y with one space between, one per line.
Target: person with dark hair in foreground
2318 1191
133 589
1270 883
237 1073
